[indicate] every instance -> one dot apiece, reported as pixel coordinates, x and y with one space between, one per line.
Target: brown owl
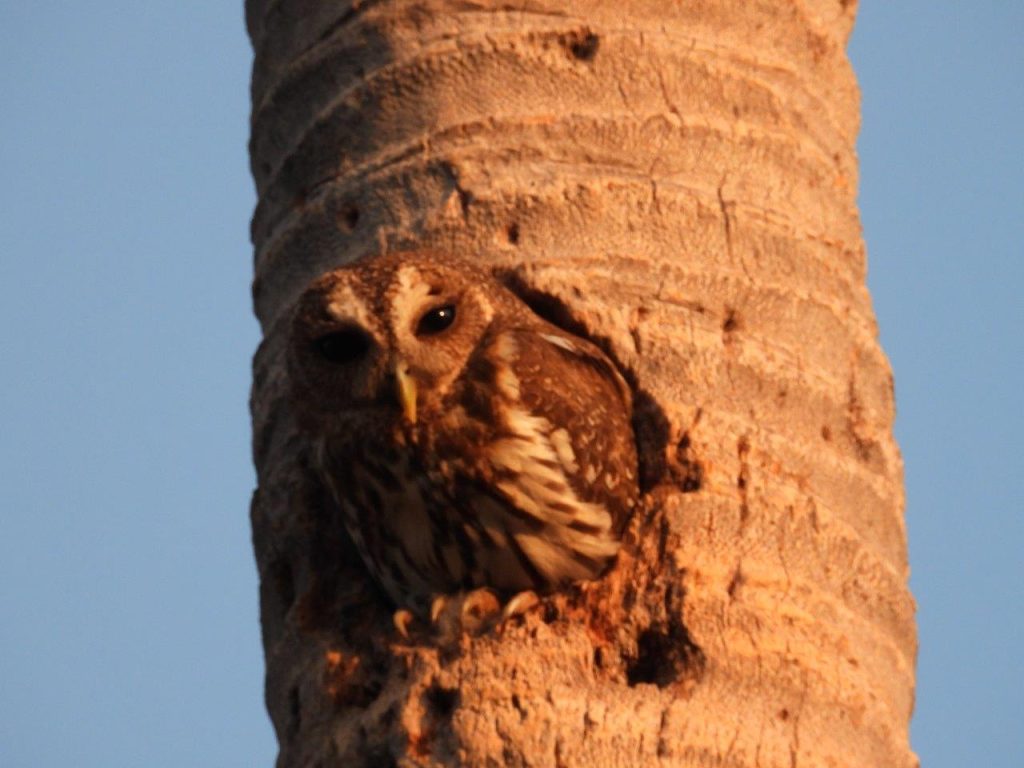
468 442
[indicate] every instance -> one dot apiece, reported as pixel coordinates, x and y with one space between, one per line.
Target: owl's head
387 336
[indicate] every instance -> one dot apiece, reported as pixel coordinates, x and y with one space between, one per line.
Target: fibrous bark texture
678 179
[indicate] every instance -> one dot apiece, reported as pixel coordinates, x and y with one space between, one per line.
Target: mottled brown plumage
468 442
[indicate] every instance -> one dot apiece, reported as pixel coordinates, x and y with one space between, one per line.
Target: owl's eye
344 346
436 320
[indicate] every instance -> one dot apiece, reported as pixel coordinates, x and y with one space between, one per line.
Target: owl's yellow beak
406 391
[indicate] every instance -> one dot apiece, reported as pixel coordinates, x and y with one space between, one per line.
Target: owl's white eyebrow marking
408 276
344 305
411 290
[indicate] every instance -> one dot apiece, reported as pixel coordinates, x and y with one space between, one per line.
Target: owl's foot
519 604
464 612
472 613
476 611
402 618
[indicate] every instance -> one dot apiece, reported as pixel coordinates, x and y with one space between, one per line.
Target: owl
468 442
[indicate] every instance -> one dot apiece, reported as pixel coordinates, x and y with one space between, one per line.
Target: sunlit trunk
682 178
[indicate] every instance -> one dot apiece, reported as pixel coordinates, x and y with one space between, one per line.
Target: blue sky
129 632
942 202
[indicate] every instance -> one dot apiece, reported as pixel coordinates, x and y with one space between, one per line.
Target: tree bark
680 180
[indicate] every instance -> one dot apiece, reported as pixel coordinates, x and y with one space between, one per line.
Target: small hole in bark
735 583
518 704
582 45
826 434
348 217
513 233
629 598
549 613
442 700
465 200
743 451
664 656
688 472
783 714
652 664
731 322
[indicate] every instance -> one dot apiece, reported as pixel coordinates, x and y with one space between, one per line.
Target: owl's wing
563 456
570 384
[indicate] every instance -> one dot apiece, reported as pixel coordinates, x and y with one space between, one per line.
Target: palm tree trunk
681 178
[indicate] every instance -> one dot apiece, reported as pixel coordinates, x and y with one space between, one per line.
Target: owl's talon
520 604
402 619
437 608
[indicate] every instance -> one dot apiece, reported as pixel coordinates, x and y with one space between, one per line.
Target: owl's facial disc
433 322
337 354
340 364
437 321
